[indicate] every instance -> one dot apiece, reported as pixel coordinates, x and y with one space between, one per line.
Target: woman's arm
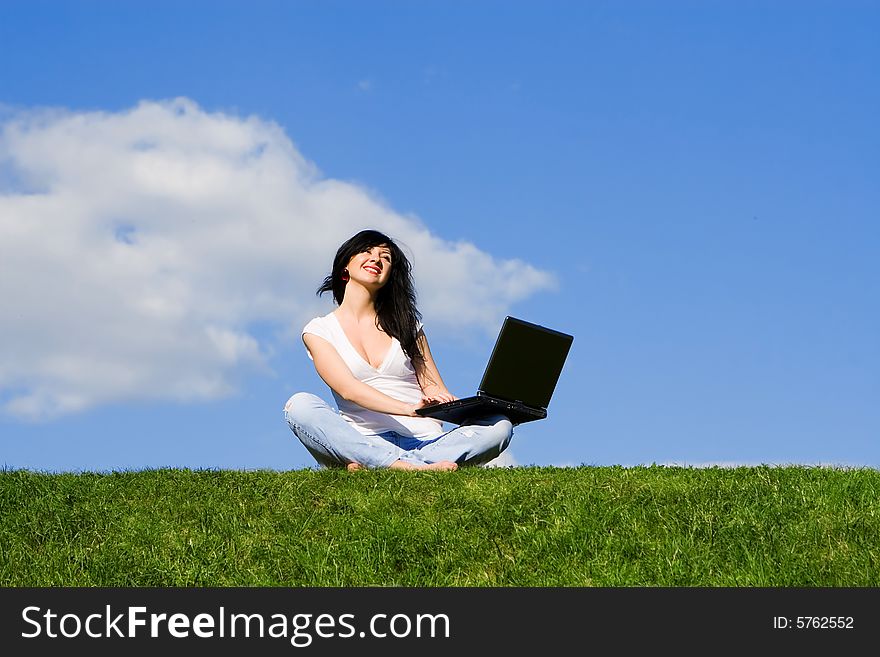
335 373
428 374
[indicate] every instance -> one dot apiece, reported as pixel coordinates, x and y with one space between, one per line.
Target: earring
344 275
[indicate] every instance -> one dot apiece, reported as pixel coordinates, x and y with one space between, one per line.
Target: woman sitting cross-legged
373 354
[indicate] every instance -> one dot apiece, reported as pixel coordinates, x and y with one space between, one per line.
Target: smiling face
376 264
371 267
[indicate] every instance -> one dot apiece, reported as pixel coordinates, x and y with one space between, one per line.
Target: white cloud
138 249
504 460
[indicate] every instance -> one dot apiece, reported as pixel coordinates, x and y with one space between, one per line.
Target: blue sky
689 188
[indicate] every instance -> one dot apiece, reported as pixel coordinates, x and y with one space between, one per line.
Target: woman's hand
428 400
437 394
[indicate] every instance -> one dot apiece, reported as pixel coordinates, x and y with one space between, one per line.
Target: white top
396 377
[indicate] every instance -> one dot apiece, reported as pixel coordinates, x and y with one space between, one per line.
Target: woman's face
372 267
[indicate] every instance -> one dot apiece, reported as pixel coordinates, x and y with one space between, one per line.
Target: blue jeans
335 443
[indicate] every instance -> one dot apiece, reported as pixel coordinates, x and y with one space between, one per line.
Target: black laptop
519 379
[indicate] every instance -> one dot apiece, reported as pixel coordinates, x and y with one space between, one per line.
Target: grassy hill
537 526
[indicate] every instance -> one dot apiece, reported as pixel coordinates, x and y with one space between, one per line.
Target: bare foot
354 467
440 465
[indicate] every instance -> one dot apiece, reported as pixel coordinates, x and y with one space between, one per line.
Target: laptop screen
525 363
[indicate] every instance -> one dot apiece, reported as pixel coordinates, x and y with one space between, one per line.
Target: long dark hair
396 311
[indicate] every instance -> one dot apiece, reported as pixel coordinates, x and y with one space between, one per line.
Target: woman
373 354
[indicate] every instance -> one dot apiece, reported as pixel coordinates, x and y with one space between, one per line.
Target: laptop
519 379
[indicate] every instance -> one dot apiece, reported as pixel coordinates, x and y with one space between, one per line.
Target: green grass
587 526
